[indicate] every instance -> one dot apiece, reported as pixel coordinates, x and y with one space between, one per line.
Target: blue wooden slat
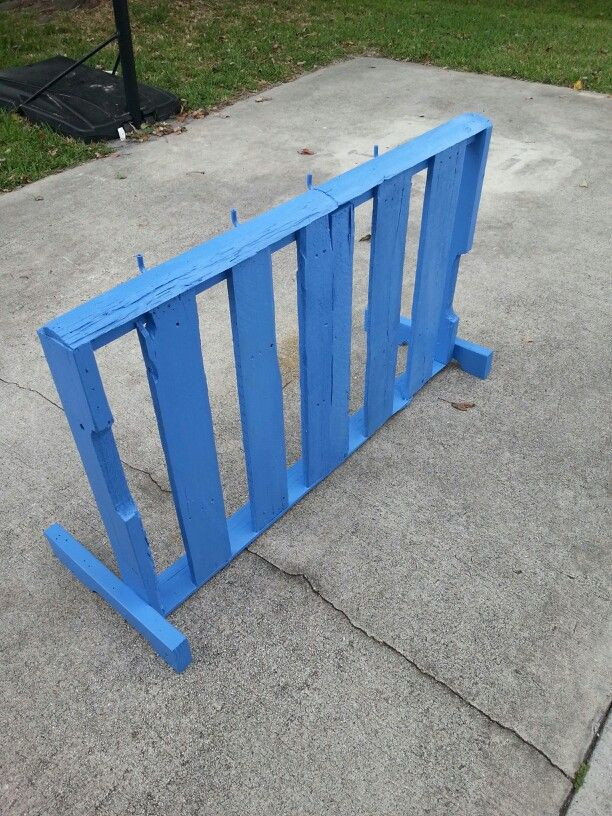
434 258
251 300
342 228
79 386
115 312
463 234
474 359
170 341
389 226
324 282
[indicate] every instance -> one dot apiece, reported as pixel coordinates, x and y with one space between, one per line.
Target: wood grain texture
80 389
251 300
161 305
170 341
389 225
434 259
112 314
324 283
472 175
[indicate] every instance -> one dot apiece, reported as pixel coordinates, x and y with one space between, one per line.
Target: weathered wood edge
113 313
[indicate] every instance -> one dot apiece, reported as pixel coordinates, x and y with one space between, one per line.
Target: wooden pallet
160 305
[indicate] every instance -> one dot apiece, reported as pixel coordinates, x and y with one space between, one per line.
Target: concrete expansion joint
449 689
586 759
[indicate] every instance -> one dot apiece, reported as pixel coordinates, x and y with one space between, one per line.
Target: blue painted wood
389 225
251 299
434 257
114 313
166 640
170 341
324 282
161 305
474 359
342 229
463 235
80 389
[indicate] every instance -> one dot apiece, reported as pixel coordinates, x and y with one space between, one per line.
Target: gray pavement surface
431 631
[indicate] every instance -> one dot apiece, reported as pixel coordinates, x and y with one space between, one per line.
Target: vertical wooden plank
342 227
472 176
170 341
79 386
324 279
389 227
434 257
251 299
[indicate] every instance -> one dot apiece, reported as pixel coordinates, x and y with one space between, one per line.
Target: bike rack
160 305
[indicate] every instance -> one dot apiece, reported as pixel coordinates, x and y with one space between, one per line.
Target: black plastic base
87 103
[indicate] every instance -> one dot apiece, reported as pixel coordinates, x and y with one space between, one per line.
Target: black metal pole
66 71
128 67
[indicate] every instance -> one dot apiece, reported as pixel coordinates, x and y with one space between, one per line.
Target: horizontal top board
114 313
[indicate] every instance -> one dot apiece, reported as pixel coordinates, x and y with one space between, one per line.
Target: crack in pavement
57 405
415 665
449 689
146 473
32 391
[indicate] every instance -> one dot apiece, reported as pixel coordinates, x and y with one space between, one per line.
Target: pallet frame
160 306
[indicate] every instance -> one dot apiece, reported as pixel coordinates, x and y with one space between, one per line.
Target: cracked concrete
411 662
444 646
336 608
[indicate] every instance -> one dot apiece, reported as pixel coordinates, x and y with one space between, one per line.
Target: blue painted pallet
160 306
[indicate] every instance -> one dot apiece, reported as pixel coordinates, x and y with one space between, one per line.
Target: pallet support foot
169 643
472 358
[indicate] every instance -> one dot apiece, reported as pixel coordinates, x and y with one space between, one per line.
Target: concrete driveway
428 632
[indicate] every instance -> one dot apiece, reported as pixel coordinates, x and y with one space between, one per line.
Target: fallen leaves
306 151
158 129
198 113
578 85
459 405
366 237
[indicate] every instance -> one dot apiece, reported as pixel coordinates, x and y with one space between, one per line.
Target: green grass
211 52
581 775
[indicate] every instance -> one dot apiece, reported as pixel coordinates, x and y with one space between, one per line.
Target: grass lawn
211 51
